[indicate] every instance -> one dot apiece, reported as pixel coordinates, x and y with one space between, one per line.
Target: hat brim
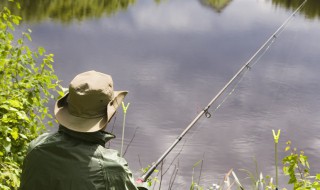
81 124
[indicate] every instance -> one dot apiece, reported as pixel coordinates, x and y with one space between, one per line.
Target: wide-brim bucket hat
90 103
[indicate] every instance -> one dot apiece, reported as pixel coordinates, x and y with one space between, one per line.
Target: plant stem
276 160
276 140
123 127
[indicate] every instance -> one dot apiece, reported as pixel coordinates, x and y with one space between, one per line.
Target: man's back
69 160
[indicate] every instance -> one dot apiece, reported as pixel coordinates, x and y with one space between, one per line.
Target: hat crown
89 94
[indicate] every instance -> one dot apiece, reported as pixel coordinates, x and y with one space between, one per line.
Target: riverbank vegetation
27 83
295 166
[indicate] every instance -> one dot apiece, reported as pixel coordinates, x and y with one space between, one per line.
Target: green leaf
5 119
292 180
9 24
7 147
16 20
307 164
18 5
15 103
197 163
22 115
14 133
302 161
41 51
20 41
27 36
10 37
5 106
285 170
318 176
287 148
23 136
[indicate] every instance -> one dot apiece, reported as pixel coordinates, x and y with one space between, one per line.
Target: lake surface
174 56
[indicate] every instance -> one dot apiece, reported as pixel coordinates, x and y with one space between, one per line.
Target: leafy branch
27 85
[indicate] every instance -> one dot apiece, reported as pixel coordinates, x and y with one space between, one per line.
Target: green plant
276 140
124 108
195 185
258 180
151 180
297 167
27 81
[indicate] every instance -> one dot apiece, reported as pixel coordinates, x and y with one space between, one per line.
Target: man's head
90 103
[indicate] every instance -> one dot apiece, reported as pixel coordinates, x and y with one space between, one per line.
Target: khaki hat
90 103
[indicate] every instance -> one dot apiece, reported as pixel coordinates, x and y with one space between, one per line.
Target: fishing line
239 75
243 74
262 51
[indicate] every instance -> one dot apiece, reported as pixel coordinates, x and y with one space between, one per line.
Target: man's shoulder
110 154
111 157
41 139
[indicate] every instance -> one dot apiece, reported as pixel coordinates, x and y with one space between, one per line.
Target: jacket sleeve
117 174
142 186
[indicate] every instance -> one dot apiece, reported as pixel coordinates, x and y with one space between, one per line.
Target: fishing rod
205 111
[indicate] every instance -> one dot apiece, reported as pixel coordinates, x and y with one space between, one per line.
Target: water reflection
216 5
67 11
311 9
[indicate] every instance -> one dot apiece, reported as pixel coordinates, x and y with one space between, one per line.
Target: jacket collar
98 137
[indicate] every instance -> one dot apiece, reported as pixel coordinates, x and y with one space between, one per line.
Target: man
75 157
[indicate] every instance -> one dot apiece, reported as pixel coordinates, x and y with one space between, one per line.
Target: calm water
174 56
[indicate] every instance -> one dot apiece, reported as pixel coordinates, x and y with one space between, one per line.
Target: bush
27 80
296 166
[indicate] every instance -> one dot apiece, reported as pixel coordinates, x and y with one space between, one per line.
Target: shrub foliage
27 81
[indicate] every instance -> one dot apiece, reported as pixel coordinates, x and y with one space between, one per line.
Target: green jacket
69 160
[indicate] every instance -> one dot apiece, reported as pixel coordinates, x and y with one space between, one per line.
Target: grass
295 166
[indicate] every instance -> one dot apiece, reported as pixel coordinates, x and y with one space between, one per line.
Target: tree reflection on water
311 9
67 11
216 5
